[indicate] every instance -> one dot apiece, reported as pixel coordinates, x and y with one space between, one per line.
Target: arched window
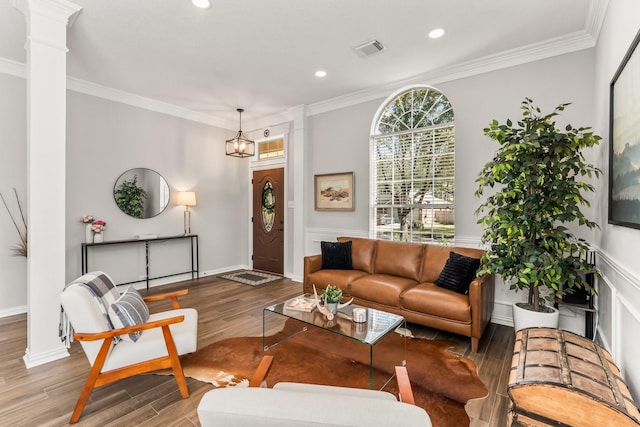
413 173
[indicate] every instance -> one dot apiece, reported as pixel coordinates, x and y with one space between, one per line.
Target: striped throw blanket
103 291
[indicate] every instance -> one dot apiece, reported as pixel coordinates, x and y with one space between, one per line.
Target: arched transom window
413 175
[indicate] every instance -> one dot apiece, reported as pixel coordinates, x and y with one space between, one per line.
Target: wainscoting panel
619 313
604 305
628 345
313 237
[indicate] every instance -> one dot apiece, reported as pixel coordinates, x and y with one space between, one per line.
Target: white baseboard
219 271
187 276
31 360
12 311
295 278
500 320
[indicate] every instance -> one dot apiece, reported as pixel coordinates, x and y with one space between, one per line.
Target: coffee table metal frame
379 325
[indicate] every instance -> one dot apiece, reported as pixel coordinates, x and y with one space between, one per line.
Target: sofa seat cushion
151 343
339 278
431 299
381 288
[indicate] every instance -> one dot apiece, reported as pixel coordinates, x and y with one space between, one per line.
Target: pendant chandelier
240 145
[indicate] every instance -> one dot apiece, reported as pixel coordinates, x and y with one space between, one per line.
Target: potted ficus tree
536 183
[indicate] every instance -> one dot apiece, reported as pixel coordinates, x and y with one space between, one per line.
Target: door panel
268 220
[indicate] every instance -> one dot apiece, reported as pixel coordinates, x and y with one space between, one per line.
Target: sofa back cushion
399 259
436 257
362 252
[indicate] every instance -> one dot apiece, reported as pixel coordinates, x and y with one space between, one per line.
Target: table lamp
186 199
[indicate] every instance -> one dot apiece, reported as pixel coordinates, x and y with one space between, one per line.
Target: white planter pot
524 318
333 307
88 233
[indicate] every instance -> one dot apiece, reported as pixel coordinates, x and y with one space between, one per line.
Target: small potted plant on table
332 295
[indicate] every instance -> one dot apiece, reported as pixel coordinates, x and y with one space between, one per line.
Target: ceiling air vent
369 48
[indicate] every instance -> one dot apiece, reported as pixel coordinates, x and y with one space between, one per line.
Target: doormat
251 277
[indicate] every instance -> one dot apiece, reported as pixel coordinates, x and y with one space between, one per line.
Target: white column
47 22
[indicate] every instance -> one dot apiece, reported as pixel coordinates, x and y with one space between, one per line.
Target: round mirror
141 193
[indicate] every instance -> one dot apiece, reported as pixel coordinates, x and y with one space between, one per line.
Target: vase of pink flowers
98 227
88 231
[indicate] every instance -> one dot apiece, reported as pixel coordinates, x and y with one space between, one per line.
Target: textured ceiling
262 54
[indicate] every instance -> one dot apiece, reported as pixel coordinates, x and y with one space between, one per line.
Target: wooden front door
268 220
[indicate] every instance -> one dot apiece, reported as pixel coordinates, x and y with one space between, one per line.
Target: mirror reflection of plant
130 197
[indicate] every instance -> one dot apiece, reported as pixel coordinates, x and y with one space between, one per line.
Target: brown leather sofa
399 278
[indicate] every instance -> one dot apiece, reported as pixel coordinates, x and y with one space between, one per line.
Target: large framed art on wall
624 141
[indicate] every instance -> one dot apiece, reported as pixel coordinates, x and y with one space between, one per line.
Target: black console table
193 239
581 300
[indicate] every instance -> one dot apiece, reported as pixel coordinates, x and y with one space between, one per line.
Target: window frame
448 206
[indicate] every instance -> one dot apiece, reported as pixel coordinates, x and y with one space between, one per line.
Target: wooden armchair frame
97 379
402 376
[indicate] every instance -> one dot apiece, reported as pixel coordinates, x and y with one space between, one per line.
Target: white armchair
297 404
158 338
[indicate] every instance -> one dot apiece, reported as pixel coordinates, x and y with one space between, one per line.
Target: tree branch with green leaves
538 178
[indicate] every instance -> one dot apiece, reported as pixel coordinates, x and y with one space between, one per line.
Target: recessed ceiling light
321 73
437 33
202 4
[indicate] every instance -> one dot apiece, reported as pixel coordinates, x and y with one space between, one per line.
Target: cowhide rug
442 382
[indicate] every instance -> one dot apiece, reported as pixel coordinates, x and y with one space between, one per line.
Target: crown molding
62 10
116 95
19 69
574 42
554 47
595 17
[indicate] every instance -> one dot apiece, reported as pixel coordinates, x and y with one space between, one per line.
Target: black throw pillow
458 273
336 255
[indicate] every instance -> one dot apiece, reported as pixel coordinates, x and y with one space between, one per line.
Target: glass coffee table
379 326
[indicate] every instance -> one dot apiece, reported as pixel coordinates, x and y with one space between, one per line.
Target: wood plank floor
45 395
